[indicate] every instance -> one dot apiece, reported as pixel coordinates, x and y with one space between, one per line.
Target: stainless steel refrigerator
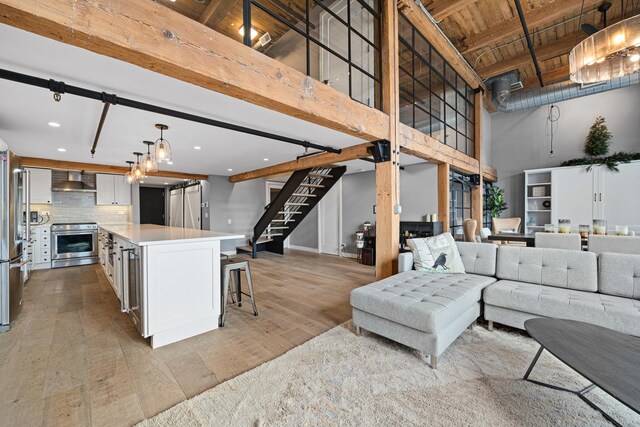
14 200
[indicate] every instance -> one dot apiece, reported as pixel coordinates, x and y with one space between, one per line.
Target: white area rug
338 378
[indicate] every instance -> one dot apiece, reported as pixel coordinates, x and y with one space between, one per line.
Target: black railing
319 30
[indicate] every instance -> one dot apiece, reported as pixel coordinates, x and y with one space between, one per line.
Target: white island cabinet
168 279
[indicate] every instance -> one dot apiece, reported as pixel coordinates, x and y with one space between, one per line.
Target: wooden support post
477 193
444 195
387 184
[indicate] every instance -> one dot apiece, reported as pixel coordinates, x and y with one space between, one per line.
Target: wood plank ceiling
225 16
489 34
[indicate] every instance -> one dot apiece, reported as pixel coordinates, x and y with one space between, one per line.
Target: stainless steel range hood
73 183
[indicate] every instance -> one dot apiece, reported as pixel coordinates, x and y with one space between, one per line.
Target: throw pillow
438 254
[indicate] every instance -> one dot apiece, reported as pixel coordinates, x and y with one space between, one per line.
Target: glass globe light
149 163
163 148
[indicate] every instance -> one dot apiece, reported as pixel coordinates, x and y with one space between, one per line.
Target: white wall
519 140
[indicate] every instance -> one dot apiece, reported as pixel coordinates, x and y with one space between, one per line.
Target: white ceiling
26 110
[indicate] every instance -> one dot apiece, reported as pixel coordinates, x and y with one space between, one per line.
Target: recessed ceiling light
362 170
166 183
141 182
197 147
169 163
229 170
266 160
185 179
54 124
62 150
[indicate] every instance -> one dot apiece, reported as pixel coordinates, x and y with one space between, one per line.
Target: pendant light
138 170
163 149
149 160
128 176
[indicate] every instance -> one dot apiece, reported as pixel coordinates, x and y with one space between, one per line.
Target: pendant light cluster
148 163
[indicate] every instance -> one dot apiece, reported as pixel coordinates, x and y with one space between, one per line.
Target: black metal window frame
461 107
487 187
459 185
306 33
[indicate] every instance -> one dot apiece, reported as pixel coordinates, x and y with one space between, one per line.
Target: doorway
152 205
330 221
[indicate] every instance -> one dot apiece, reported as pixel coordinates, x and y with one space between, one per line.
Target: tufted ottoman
425 311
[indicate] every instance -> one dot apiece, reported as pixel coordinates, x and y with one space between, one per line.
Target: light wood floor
73 359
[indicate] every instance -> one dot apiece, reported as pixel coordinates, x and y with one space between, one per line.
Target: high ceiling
489 34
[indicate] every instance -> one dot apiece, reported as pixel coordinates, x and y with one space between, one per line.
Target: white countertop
148 234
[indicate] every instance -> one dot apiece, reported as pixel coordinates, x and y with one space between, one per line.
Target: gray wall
242 202
487 157
519 140
306 234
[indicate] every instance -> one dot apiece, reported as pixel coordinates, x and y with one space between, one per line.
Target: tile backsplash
81 207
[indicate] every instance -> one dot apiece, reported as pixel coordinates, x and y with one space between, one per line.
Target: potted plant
495 201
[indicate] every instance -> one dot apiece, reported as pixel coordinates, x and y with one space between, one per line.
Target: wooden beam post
444 195
387 184
477 193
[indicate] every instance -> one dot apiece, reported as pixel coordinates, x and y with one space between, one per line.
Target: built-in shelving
536 214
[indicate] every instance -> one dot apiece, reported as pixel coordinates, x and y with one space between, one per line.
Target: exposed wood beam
559 47
92 167
217 9
440 9
555 75
489 173
417 17
477 193
535 18
155 37
444 195
325 159
387 176
416 143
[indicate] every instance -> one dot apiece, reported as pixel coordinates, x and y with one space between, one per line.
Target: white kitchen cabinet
112 190
41 186
582 196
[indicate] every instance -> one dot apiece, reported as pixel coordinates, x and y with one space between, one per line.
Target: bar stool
228 268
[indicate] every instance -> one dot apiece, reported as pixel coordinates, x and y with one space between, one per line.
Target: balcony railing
336 42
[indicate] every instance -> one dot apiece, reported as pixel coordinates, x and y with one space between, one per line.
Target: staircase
302 192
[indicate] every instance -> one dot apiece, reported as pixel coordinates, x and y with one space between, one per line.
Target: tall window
460 204
486 211
336 42
434 99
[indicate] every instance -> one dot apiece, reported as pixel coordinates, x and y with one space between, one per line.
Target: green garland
611 161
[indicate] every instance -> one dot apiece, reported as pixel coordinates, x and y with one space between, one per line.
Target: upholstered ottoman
425 311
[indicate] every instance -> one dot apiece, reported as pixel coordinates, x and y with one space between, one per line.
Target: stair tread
271 235
311 185
303 195
278 227
283 220
296 204
289 212
320 175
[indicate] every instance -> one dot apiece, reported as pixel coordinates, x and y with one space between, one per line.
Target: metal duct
502 86
564 91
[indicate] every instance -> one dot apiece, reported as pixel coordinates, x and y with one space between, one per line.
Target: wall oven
74 244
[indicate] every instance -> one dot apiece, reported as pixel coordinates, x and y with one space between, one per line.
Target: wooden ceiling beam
556 75
418 144
351 153
535 18
489 173
98 168
441 9
417 17
219 8
559 47
158 38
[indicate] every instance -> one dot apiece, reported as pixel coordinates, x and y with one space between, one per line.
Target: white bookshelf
537 191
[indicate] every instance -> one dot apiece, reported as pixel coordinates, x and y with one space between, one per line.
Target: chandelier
608 54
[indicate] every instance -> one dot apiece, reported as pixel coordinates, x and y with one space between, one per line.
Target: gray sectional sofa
428 311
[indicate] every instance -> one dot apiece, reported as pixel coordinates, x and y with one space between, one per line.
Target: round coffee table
607 358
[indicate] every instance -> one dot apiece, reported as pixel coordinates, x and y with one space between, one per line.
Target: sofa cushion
552 267
478 258
619 274
424 301
620 314
437 254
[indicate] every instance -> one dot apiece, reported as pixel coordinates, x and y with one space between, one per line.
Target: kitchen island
167 278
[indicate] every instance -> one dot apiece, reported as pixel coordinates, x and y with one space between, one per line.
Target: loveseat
428 311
